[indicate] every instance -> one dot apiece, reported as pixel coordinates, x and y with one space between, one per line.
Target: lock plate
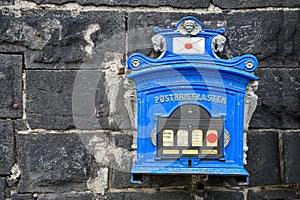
190 132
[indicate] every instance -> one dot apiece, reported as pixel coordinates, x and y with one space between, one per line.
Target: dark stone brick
121 179
278 99
272 36
53 162
21 125
279 46
219 195
49 99
133 3
120 172
176 195
108 155
72 196
122 140
255 3
17 196
6 2
60 100
6 147
220 181
53 42
274 194
171 180
81 99
2 188
11 85
291 150
263 158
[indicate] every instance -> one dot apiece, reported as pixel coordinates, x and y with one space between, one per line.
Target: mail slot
190 104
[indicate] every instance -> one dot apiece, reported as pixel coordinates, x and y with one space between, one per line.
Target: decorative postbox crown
190 104
190 43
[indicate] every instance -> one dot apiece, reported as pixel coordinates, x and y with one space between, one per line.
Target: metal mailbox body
190 105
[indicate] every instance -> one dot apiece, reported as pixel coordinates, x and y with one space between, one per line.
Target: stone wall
65 132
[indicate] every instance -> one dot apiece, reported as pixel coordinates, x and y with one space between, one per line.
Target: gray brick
291 141
272 36
51 95
11 85
263 158
278 99
133 3
81 99
255 3
171 180
49 99
122 140
71 196
219 181
177 195
7 158
120 172
219 195
6 2
17 196
121 179
52 41
21 125
2 188
274 194
54 162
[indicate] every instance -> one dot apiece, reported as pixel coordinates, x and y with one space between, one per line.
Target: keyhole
189 163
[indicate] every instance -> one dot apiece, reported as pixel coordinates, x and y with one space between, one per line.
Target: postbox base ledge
241 174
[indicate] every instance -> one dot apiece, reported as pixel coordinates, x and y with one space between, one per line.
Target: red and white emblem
212 138
188 45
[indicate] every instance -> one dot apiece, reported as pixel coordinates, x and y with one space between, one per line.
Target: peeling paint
198 197
14 175
130 101
115 92
50 26
15 172
214 9
87 36
107 153
99 147
100 183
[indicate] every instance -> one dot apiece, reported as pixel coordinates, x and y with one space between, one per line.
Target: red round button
212 137
188 45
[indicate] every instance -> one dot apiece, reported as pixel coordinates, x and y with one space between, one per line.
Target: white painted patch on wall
113 84
99 183
87 36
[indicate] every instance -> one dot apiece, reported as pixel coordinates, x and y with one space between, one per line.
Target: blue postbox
190 104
